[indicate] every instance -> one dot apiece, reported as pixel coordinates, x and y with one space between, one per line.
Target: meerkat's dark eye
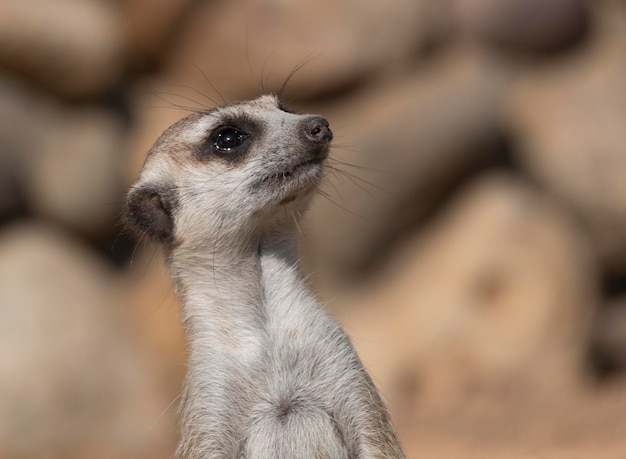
228 138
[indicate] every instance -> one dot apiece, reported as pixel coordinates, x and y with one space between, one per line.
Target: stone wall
470 234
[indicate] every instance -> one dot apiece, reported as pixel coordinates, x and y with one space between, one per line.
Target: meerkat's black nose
316 129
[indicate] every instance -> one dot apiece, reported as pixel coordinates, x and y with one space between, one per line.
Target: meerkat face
232 166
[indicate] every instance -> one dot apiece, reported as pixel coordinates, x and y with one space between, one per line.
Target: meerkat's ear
149 210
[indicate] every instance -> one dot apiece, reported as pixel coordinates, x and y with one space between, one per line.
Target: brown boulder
609 338
74 48
569 123
63 162
74 174
148 35
73 383
497 296
525 25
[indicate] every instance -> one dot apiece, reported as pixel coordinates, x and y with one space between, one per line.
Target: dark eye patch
230 141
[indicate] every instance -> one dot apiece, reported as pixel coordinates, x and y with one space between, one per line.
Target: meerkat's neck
231 291
222 308
239 305
288 299
221 295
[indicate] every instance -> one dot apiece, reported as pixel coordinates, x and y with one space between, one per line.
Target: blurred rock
74 48
9 200
585 425
151 304
569 122
609 340
524 25
15 114
72 384
240 47
415 141
74 174
497 297
65 161
149 34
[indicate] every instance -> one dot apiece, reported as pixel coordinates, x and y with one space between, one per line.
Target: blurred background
470 234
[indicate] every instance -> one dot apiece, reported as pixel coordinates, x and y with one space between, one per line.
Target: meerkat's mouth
294 171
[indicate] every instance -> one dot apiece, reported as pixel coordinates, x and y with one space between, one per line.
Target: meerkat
271 373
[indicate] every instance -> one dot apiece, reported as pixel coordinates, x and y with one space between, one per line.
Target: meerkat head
229 169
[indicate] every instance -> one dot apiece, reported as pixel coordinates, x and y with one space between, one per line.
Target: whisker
306 61
296 223
327 196
263 76
119 234
331 183
170 292
259 83
356 184
150 261
348 148
165 93
146 268
356 166
175 105
344 145
170 107
167 408
355 178
164 298
131 263
196 90
206 78
339 127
